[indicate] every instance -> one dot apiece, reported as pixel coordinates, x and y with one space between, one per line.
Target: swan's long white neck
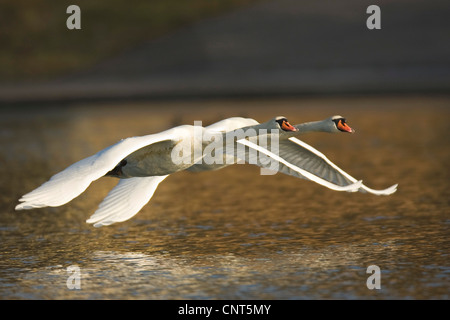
254 129
315 126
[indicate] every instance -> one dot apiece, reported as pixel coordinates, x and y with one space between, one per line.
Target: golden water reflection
233 234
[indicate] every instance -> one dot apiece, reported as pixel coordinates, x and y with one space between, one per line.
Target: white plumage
142 163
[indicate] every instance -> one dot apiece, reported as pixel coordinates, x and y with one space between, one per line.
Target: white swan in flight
141 163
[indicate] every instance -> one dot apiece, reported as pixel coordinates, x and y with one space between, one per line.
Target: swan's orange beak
288 127
344 127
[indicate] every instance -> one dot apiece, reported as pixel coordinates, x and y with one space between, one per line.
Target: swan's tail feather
125 200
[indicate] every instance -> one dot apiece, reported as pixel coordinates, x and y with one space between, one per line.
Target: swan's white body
148 163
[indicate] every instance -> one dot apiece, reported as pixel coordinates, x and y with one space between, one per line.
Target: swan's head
339 124
283 124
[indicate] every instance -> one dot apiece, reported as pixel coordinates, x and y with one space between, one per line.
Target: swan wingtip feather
392 189
19 207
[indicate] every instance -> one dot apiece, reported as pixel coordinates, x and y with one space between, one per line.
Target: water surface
234 234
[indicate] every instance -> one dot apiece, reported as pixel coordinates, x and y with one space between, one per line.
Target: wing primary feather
363 187
351 187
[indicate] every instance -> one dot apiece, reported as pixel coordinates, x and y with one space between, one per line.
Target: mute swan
120 159
142 163
297 157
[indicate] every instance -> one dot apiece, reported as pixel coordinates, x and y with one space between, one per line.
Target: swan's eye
281 121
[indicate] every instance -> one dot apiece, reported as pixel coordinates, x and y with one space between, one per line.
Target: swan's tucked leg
125 200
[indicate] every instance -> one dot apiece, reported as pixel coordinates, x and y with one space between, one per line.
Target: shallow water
234 234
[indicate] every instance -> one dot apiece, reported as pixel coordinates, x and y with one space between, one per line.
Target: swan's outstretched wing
320 164
299 159
71 182
290 168
125 200
221 127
